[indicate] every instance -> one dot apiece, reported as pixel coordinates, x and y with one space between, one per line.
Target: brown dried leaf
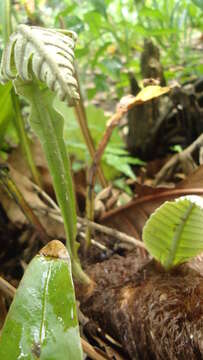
149 93
146 94
131 218
3 310
14 213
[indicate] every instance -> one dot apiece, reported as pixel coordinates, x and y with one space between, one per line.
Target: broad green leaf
172 24
100 82
74 23
99 53
68 10
94 20
100 7
42 321
121 184
111 67
96 122
114 158
121 163
198 3
174 232
80 52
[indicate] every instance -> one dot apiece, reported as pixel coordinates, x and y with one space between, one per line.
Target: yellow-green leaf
174 232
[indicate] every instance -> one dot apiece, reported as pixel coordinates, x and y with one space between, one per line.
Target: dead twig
122 237
127 103
81 117
91 352
180 157
13 191
112 232
122 109
7 288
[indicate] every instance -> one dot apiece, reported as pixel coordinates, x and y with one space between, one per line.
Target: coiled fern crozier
40 62
44 53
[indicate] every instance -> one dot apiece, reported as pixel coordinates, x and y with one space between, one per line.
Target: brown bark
142 119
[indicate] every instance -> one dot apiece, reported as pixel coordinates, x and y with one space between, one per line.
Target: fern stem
24 141
60 169
81 117
82 121
91 175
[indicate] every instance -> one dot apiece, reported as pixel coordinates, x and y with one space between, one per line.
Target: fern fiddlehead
33 57
45 54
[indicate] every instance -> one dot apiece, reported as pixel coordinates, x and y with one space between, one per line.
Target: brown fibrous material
154 314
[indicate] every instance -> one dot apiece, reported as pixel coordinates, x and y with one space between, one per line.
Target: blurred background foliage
111 35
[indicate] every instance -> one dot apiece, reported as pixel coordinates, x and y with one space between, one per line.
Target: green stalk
48 128
45 120
19 123
24 141
6 19
81 117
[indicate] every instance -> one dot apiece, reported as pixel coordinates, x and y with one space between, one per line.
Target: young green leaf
32 54
174 232
198 3
51 54
42 321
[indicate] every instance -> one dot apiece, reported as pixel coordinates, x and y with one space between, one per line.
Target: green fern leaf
44 54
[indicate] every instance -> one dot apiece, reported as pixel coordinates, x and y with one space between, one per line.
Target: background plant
110 42
116 30
115 160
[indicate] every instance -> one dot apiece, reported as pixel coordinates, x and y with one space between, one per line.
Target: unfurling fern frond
45 54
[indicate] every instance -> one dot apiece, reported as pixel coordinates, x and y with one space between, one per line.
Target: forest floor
135 310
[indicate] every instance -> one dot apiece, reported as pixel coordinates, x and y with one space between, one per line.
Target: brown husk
154 314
